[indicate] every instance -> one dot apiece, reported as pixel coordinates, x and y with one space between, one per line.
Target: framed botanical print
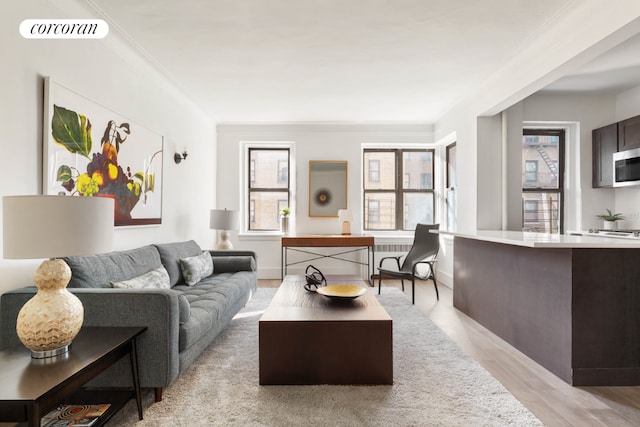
91 151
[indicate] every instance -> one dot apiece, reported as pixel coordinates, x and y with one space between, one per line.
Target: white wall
568 42
313 142
108 72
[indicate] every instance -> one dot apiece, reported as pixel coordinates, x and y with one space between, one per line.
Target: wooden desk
307 338
355 243
33 387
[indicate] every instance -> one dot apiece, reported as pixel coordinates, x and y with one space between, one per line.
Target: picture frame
90 150
328 181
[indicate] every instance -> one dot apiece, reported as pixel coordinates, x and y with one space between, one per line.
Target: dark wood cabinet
629 133
604 144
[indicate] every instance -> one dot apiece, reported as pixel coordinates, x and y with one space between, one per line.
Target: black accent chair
424 251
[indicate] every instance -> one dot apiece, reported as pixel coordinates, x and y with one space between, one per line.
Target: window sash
553 214
265 202
387 208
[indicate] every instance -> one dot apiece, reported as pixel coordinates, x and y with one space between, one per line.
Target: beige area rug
435 384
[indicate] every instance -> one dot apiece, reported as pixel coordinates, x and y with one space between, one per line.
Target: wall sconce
180 157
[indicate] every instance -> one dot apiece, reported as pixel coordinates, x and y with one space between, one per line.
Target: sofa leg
158 391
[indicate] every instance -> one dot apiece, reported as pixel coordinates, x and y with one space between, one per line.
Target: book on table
74 415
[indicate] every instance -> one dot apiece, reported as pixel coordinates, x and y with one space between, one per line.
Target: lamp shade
345 215
56 226
223 220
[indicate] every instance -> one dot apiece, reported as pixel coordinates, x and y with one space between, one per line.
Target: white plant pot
284 225
610 225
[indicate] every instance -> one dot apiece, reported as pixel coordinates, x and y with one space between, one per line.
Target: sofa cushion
98 271
227 264
171 253
157 278
196 268
211 301
185 308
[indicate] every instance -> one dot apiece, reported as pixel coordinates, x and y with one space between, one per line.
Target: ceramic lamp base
50 320
224 243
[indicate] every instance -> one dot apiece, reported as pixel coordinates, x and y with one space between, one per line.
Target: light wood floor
550 399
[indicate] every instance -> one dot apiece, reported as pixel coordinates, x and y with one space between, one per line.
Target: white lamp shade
345 215
56 226
224 220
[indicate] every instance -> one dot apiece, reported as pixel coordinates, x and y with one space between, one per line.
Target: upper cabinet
604 144
629 133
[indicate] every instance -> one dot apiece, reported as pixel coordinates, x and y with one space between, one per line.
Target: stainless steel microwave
626 168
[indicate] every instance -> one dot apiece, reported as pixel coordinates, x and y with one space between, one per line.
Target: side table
30 388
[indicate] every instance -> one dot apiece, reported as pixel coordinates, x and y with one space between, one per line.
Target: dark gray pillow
230 264
171 253
98 271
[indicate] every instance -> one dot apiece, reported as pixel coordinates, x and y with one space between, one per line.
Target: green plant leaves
71 130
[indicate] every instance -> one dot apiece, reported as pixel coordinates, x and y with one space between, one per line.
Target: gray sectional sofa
160 287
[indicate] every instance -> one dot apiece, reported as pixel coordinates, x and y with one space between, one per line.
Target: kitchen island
571 303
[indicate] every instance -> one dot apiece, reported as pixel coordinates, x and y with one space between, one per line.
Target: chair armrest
430 262
157 309
397 258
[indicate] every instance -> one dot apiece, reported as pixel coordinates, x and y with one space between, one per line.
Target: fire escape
553 167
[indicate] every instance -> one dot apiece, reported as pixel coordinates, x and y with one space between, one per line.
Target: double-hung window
269 186
398 188
542 180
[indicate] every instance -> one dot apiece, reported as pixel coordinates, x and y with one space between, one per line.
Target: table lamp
346 218
53 227
224 220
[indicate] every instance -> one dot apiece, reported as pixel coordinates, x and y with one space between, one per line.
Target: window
542 180
530 173
398 188
269 187
452 183
374 170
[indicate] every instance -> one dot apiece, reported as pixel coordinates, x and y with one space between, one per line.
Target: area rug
435 384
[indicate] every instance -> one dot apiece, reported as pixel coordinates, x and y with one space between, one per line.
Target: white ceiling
329 60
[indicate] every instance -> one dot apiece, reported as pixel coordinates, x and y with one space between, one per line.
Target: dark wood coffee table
307 338
30 388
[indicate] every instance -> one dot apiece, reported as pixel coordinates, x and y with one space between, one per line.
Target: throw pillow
196 268
157 278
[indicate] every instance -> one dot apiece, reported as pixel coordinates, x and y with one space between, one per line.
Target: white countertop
542 240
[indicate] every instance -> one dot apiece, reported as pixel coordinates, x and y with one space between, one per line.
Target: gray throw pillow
196 268
157 278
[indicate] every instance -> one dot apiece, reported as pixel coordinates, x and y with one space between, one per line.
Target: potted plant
284 220
610 219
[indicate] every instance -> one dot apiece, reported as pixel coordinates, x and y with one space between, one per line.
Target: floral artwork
123 164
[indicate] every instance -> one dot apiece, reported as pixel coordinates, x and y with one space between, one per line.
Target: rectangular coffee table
307 338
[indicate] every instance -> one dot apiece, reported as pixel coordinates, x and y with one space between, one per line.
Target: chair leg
413 290
435 285
402 282
379 282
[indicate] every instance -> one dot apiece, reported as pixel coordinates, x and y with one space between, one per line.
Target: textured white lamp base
50 320
224 242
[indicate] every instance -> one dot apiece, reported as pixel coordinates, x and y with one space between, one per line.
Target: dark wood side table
30 388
